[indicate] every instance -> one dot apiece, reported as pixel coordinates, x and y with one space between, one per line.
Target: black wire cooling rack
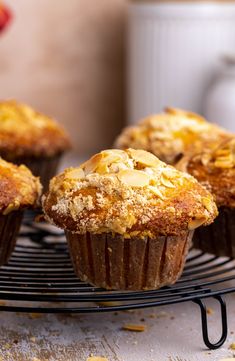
39 278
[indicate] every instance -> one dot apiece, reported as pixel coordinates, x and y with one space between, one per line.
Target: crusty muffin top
25 132
19 189
128 192
171 134
215 169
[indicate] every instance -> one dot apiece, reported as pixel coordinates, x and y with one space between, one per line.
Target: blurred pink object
5 16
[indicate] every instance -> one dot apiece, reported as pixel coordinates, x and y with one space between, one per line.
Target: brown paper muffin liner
219 237
42 167
9 228
114 262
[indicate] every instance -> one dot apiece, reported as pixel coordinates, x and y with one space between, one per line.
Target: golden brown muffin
31 138
128 218
171 134
19 190
215 169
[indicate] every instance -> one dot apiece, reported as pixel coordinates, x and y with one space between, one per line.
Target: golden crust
128 192
170 135
25 132
18 187
215 168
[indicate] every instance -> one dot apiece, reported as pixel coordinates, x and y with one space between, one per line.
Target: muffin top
170 134
19 189
215 169
25 132
127 192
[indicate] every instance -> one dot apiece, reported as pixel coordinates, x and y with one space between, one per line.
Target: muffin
215 169
19 190
30 138
128 218
171 134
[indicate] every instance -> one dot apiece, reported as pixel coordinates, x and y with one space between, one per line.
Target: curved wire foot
213 346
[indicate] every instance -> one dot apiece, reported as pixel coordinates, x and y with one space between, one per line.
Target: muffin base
9 229
43 167
219 237
114 262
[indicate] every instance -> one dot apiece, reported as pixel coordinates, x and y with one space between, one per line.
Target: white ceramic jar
220 101
173 48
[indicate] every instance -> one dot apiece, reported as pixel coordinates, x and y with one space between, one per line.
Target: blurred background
96 65
66 58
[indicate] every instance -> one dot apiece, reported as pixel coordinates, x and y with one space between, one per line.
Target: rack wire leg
210 345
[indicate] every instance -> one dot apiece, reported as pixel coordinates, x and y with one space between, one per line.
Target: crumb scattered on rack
159 315
35 315
209 311
109 303
134 327
232 346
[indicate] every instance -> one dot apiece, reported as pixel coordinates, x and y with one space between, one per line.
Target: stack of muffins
128 217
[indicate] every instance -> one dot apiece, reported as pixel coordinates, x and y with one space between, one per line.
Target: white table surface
173 333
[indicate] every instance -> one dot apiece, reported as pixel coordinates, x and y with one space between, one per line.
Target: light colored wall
66 58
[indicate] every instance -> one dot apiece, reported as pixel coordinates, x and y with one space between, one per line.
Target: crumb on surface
209 311
33 315
134 327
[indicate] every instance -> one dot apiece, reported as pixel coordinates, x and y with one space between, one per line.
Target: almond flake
205 159
102 168
76 173
11 207
157 192
134 178
143 157
166 182
207 204
91 165
135 328
224 163
195 223
121 154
